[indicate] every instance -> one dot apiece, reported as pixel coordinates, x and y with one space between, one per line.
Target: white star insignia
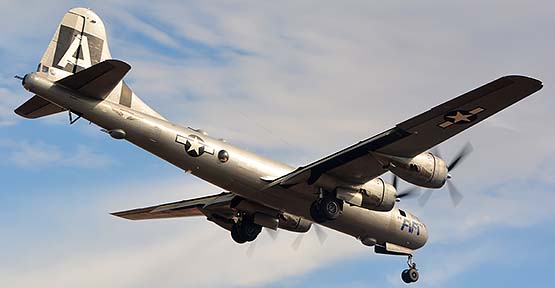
460 117
195 145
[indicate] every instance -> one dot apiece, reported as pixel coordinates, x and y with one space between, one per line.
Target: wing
37 107
208 206
356 164
98 80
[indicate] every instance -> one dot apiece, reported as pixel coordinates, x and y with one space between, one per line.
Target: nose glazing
423 237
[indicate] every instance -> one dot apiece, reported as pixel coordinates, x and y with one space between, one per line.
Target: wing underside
204 206
357 165
98 80
37 107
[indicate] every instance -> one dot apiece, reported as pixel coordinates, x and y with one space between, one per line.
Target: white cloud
8 103
310 78
135 24
172 253
40 155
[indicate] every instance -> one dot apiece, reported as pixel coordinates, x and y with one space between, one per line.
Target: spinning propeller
407 193
320 233
455 195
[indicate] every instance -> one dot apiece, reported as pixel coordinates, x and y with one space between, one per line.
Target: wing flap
354 164
37 107
186 208
98 80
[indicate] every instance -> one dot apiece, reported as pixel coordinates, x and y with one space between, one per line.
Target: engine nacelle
375 194
425 170
293 223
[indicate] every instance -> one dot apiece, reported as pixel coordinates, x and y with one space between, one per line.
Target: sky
294 81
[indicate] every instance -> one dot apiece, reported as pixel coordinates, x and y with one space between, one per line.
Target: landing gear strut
245 230
327 208
410 275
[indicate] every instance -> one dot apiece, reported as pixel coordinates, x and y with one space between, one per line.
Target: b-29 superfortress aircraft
342 191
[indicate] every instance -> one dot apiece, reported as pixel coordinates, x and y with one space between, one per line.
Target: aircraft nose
423 237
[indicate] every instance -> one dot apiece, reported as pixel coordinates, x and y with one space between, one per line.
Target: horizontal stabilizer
98 80
37 107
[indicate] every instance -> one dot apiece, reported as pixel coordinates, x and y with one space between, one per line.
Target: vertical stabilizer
80 42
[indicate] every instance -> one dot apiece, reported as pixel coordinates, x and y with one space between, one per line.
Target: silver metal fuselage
242 174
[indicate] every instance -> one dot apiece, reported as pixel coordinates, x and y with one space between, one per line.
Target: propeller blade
250 250
456 196
322 235
462 154
273 233
408 193
425 197
297 243
395 181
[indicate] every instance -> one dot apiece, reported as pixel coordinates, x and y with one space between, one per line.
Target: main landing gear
326 208
410 275
245 230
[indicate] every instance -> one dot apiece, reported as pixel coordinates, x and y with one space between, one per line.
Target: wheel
236 234
316 212
413 275
245 230
405 276
331 208
250 230
410 275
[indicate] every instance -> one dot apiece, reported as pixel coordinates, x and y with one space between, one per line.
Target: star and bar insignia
194 145
460 117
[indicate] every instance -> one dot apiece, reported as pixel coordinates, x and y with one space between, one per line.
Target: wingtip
522 78
119 63
119 215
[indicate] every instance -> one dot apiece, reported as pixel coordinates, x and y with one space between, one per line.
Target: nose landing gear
410 275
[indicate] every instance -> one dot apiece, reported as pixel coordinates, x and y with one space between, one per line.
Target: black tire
250 230
413 275
236 234
316 212
331 208
405 276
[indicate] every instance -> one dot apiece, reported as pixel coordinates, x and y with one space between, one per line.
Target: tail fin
79 43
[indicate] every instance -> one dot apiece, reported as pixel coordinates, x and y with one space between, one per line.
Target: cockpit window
402 213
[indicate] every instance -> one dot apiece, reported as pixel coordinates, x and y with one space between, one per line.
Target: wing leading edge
356 164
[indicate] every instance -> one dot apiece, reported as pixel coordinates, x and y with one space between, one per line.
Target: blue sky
294 80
